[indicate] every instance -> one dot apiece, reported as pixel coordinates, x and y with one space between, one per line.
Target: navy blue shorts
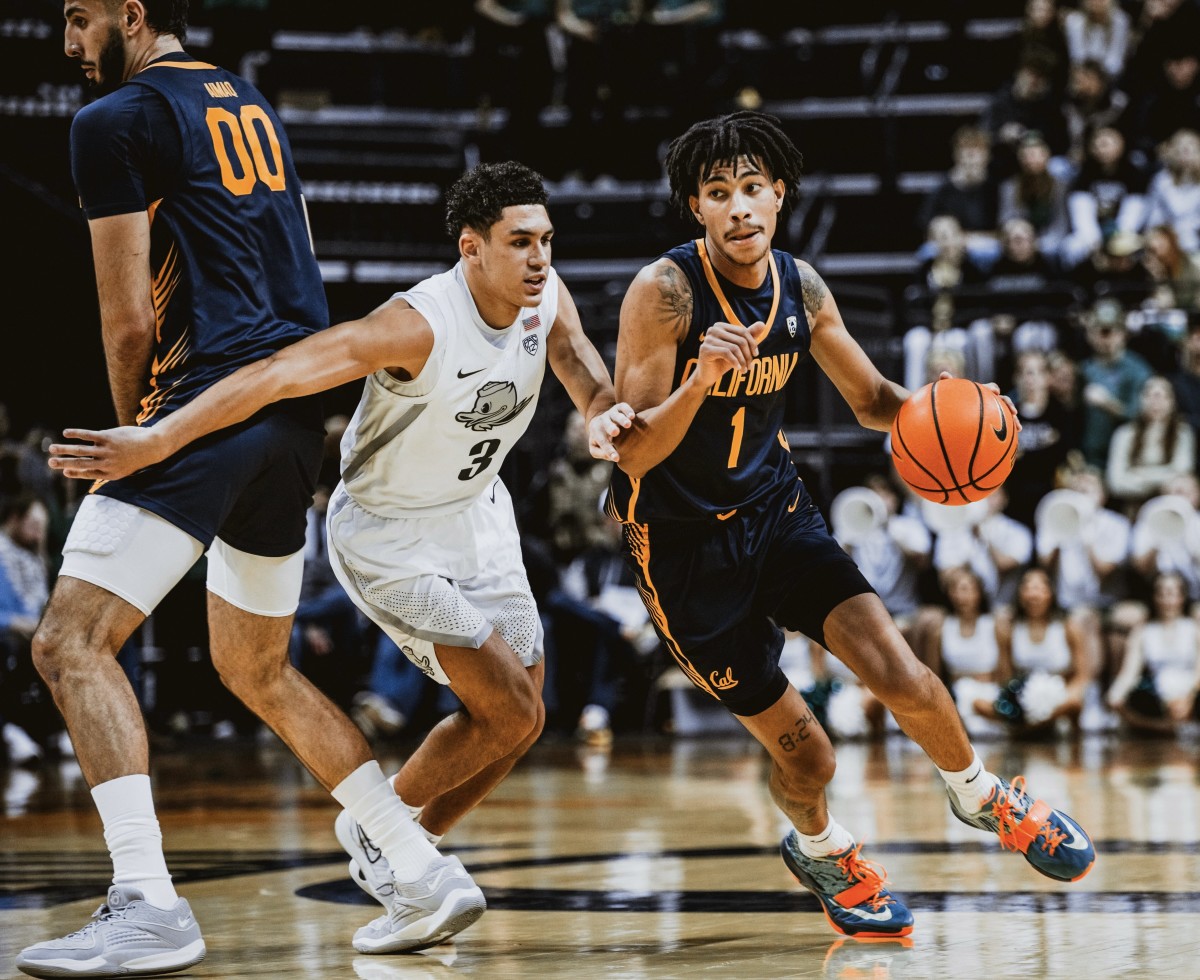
250 485
720 591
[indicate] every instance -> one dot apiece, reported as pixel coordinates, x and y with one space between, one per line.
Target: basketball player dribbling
726 543
421 529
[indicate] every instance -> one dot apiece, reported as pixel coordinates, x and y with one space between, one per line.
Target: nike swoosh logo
1078 839
373 853
469 373
884 916
1002 432
183 923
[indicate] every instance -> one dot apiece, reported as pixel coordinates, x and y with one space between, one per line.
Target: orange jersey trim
190 65
730 317
638 538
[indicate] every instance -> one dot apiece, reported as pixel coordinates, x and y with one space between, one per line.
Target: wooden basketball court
655 859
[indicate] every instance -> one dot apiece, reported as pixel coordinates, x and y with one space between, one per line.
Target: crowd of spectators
1060 261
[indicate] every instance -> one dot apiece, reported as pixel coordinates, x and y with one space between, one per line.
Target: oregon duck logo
495 403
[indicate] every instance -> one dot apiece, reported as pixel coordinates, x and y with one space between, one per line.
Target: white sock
372 801
416 812
134 838
832 840
972 786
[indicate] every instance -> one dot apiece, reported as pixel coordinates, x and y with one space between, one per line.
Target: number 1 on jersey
739 427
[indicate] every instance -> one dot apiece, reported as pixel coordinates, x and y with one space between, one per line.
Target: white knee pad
259 585
131 552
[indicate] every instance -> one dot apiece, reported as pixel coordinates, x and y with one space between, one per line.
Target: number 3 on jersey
479 463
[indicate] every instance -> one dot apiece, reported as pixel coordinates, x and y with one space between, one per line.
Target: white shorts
139 556
446 580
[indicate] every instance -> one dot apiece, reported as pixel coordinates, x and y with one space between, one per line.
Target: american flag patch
533 322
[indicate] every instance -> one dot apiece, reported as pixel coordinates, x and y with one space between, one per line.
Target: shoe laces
1010 808
105 913
857 868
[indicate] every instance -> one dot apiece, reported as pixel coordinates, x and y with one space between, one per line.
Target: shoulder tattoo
674 298
812 288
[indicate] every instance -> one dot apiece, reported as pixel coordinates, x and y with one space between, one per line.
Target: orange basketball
954 441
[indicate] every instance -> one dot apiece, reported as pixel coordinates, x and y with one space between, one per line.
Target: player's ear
780 193
133 14
468 244
694 207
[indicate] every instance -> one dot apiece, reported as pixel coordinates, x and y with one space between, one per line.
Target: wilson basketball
954 441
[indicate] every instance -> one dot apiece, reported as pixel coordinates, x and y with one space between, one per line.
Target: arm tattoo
675 299
812 287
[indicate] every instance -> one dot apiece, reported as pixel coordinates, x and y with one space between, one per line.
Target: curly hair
707 145
479 197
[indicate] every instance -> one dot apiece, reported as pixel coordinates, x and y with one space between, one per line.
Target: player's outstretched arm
579 366
873 399
392 336
655 318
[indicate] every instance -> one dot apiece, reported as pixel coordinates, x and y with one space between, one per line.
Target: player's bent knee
803 776
907 688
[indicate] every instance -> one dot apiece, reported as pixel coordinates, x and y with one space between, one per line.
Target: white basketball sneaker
127 937
426 912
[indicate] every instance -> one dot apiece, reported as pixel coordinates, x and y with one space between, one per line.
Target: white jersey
432 445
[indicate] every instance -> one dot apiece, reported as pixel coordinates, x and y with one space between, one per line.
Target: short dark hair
479 197
693 156
166 16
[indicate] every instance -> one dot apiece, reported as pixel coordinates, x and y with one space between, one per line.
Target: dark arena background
1007 191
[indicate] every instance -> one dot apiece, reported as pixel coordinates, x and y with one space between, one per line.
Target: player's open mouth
535 282
742 236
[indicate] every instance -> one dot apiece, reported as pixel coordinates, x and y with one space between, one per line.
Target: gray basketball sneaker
441 904
368 867
127 937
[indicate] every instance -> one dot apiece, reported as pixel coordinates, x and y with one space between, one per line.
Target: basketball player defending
421 529
728 546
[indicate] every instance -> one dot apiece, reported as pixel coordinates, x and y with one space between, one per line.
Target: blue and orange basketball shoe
852 891
1050 840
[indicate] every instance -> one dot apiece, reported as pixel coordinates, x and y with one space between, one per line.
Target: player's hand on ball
106 454
991 386
606 427
725 346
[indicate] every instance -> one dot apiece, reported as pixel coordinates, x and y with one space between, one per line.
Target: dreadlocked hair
693 156
479 197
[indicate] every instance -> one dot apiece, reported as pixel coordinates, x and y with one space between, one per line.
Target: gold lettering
220 90
736 382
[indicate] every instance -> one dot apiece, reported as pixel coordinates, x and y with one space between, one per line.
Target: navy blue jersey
234 276
734 453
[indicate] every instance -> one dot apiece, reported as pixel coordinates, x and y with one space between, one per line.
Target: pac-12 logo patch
530 344
496 402
791 325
